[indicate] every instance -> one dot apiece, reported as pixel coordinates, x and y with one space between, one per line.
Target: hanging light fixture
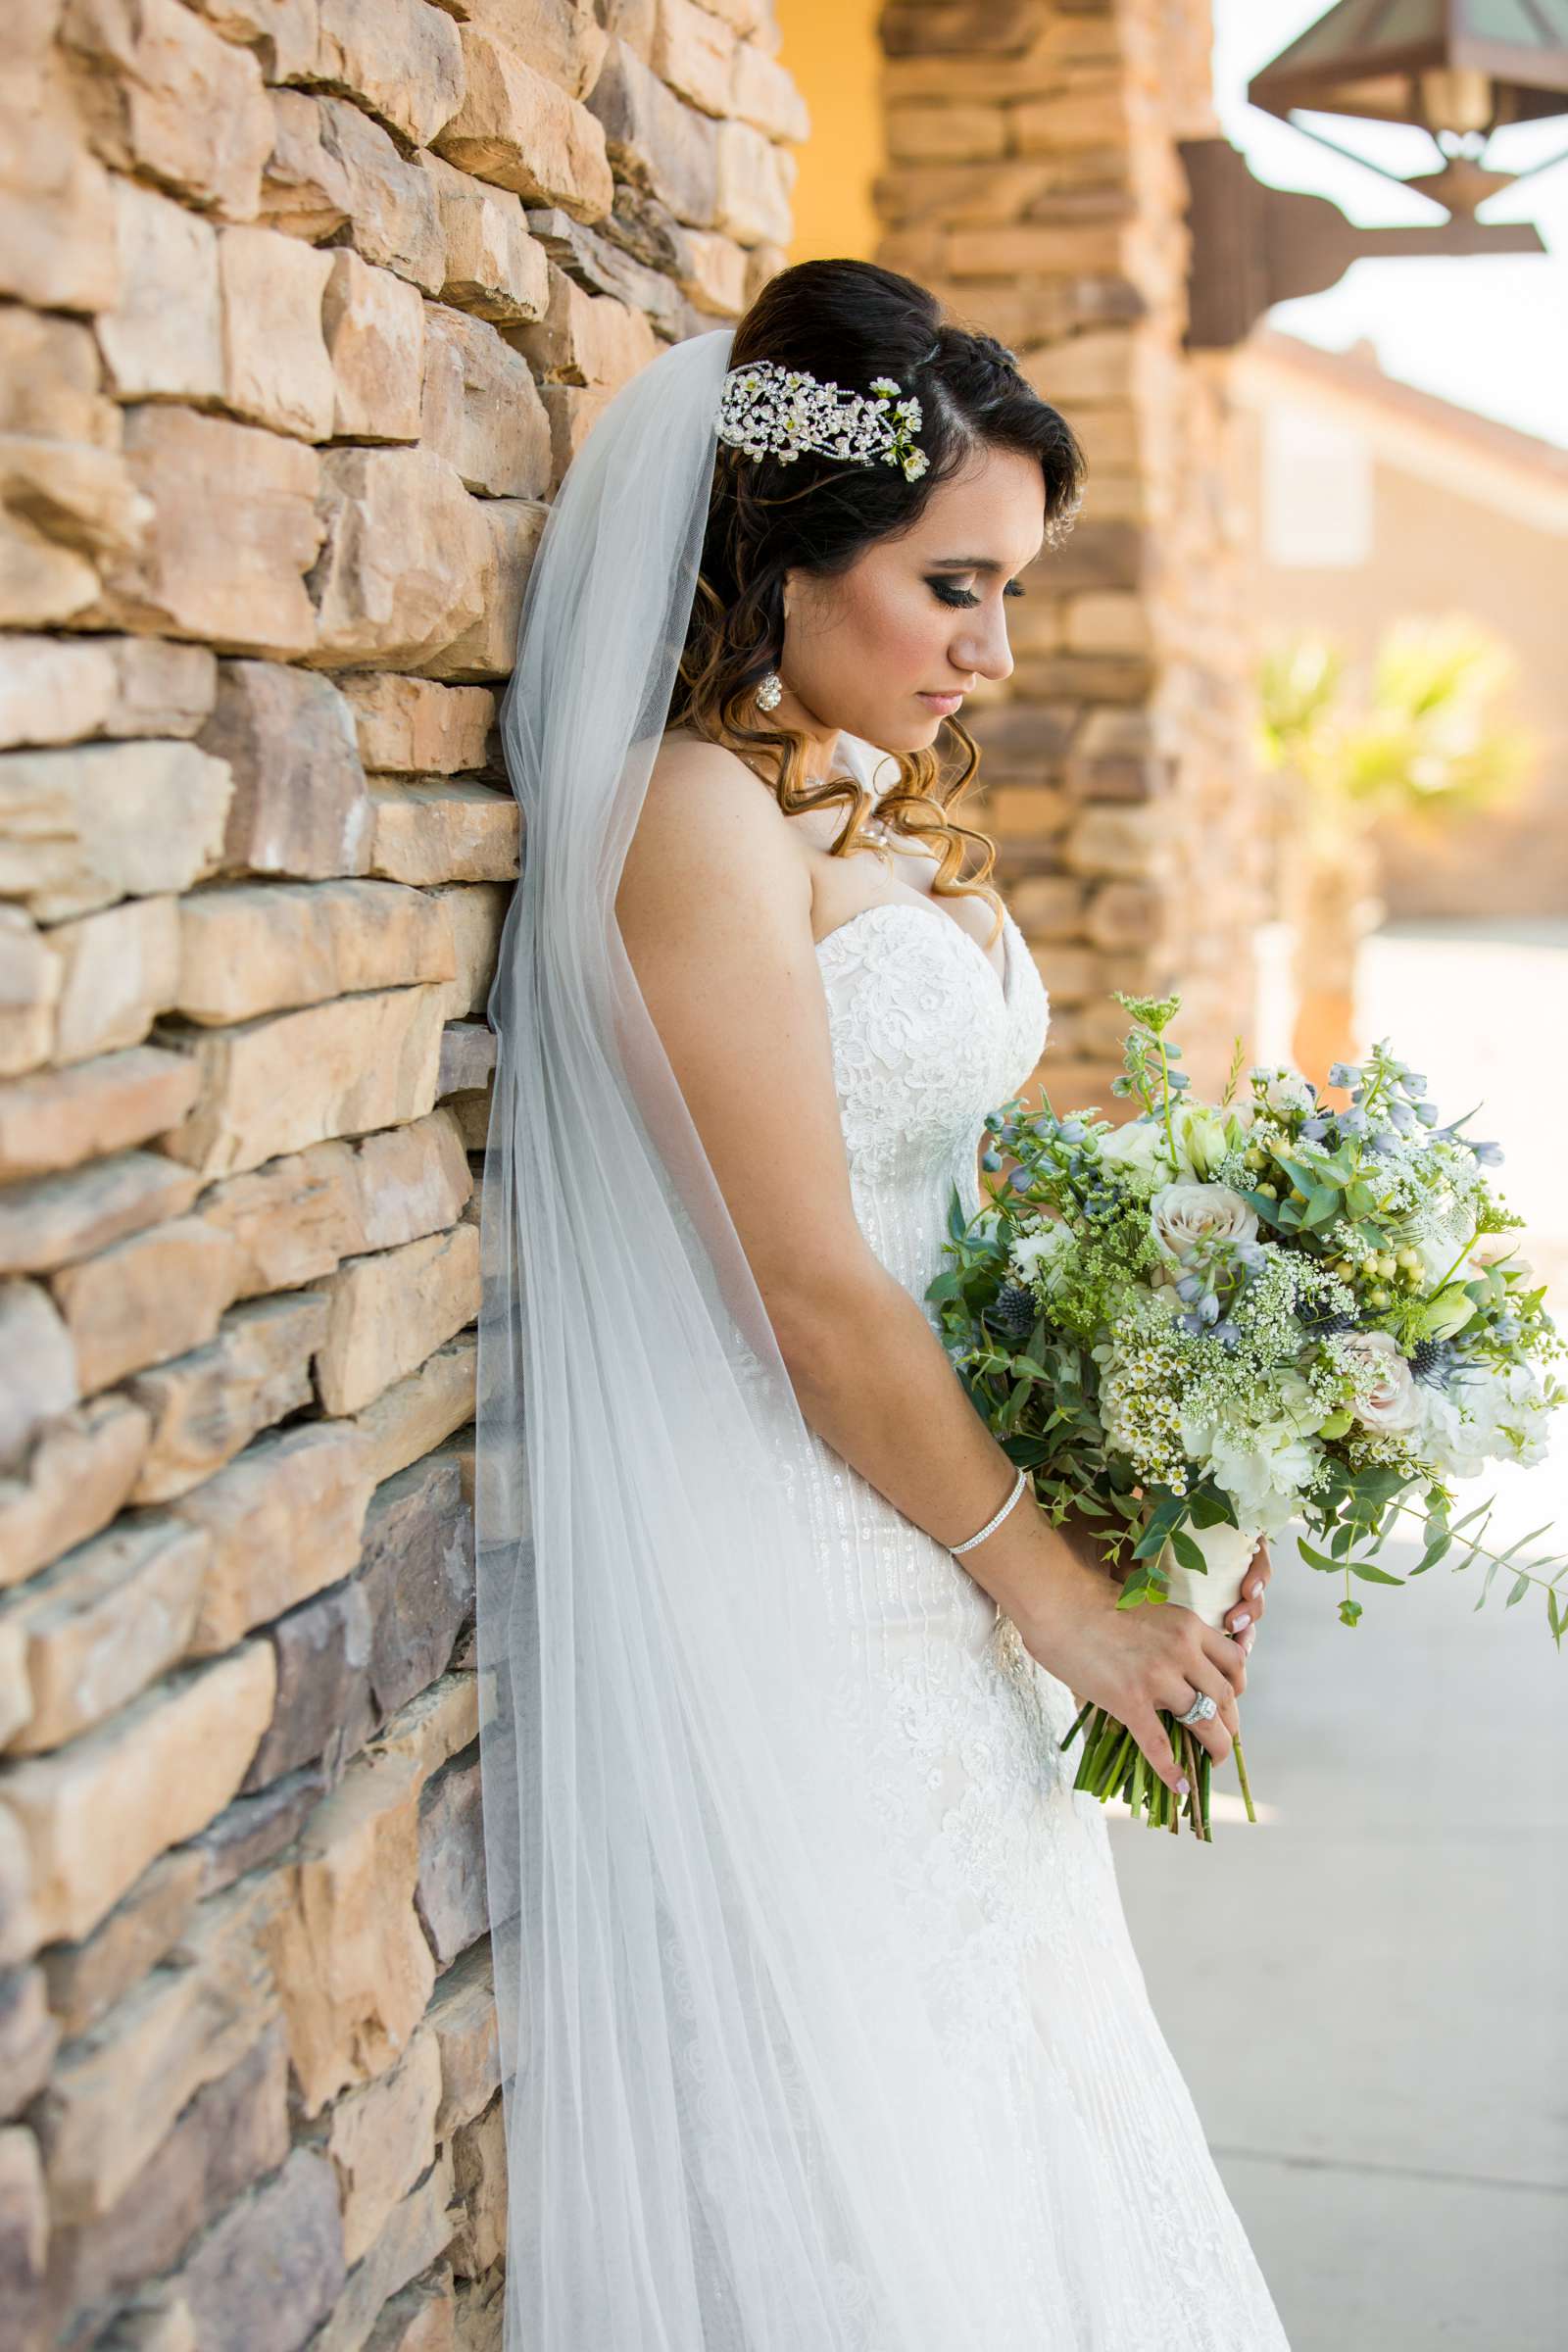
1458 70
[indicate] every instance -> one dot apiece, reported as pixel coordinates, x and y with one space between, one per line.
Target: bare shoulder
709 829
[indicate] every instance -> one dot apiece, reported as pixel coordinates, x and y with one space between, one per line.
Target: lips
945 703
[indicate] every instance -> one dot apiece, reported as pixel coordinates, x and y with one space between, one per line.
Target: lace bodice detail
926 1040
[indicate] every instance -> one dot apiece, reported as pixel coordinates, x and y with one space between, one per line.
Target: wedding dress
1006 1872
820 2027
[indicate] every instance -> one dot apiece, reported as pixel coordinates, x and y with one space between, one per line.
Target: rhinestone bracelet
992 1523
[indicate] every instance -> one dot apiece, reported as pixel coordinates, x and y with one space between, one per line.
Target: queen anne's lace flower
766 411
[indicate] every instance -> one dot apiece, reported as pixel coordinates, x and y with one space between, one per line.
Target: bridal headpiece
767 409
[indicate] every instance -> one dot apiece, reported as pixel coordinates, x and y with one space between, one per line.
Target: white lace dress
1008 1873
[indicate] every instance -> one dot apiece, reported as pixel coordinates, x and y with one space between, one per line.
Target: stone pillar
304 307
1036 186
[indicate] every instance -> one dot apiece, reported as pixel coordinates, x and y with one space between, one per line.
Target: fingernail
1183 1786
1253 1589
1246 1618
1251 1639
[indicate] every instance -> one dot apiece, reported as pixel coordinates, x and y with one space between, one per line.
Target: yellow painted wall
830 47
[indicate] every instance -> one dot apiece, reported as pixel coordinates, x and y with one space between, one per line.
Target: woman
820 2024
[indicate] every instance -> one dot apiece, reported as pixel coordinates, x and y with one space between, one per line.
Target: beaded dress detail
1005 1873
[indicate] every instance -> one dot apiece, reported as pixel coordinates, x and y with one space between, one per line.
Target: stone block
252 1829
764 93
468 1055
416 729
751 203
94 1814
163 339
374 323
475 911
332 170
259 947
401 59
522 132
631 257
267 2274
206 1406
352 1968
695 53
585 338
291 1079
164 97
97 822
493 267
38 1376
101 1624
479 2312
471 1109
452 1879
62 690
24 2237
233 2132
381 2140
29 2036
418 2320
481 410
436 1725
233 531
488 648
281 33
410 1181
572 412
72 1479
291 1221
299 804
16 1700
30 990
285 1521
654 140
61 1118
276 370
68 513
117 971
145 1298
87 1979
462 2023
57 212
407 562
712 271
1122 913
413 2236
1123 844
391 1311
418 1574
564 39
1093 113
418 1412
323 1705
480 2176
429 833
51 382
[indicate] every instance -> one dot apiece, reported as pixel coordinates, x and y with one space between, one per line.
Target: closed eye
947 593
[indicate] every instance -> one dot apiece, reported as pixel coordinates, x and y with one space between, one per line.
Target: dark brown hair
846 321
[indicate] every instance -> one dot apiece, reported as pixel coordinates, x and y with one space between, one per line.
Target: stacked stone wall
1034 184
304 307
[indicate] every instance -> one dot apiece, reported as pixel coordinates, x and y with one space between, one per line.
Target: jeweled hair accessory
770 411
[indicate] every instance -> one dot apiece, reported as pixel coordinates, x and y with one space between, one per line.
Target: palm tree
1424 746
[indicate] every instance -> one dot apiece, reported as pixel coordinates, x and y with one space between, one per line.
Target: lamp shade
1445 65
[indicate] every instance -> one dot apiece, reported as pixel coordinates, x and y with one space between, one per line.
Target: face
889 649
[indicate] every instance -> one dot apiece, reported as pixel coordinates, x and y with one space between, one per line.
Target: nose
984 647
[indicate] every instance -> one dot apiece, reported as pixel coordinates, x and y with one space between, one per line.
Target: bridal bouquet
1199 1326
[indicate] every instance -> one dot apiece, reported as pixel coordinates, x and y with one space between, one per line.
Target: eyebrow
975 563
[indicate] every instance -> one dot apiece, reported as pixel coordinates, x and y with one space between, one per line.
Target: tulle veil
731 2121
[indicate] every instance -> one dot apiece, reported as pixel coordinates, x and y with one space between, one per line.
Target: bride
821 2028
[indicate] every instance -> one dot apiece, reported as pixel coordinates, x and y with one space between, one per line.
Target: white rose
1203 1140
1038 1258
1391 1402
1136 1151
1182 1215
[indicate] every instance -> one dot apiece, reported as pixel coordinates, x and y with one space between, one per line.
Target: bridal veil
731 2123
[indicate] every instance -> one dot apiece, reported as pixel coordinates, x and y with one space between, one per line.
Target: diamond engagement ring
1202 1708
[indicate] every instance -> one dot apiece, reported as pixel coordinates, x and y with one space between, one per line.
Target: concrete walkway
1366 1990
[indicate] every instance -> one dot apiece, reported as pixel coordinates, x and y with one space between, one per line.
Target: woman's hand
1135 1662
1243 1620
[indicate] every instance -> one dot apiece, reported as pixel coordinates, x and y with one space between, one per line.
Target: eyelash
946 594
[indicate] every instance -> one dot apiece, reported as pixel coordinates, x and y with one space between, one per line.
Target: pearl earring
769 691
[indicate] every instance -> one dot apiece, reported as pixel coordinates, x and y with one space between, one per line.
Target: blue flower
1344 1074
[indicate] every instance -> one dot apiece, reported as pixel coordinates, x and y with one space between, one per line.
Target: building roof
1417 431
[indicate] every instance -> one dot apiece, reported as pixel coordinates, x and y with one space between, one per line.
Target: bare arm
716 910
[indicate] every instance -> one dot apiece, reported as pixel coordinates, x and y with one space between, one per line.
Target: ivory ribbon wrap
1229 1552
